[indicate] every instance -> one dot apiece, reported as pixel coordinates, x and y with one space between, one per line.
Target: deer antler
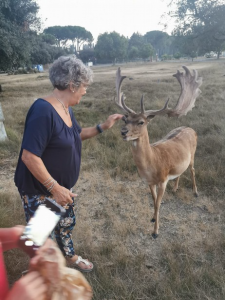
120 96
189 92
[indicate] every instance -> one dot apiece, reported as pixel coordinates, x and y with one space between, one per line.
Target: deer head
136 122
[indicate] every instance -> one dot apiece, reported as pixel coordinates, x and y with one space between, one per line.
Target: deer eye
141 123
124 119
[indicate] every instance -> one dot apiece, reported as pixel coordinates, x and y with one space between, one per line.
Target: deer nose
124 131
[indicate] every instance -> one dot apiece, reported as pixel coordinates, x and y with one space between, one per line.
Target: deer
168 158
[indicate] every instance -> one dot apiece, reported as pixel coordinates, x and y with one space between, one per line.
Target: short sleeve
38 128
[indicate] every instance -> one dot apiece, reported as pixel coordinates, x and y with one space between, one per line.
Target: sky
100 16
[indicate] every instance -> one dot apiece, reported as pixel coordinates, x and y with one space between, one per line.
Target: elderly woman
49 161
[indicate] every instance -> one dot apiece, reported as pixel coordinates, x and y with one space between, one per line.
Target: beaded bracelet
46 182
51 187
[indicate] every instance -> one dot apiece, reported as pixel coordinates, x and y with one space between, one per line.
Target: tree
48 38
60 33
79 35
136 40
146 51
87 54
138 47
203 21
159 40
22 13
17 17
76 34
185 45
111 47
133 53
43 52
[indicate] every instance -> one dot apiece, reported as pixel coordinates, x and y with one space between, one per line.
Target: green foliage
165 57
136 40
111 47
159 40
48 38
22 13
42 52
16 20
87 54
187 45
146 51
133 53
59 32
79 35
138 47
177 55
76 34
202 22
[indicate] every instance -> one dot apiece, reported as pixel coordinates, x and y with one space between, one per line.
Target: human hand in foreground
62 195
63 283
9 237
111 121
29 287
37 258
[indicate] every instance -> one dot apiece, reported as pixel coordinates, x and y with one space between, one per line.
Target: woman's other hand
62 195
29 287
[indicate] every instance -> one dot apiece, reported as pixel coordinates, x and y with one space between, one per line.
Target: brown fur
162 161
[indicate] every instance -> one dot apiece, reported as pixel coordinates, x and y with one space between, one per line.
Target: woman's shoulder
41 107
41 102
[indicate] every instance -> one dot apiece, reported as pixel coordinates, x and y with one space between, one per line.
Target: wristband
99 128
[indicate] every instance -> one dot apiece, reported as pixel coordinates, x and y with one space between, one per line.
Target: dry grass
113 212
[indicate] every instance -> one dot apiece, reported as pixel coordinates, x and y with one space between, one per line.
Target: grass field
114 206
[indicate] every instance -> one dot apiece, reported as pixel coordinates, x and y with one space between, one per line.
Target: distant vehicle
210 55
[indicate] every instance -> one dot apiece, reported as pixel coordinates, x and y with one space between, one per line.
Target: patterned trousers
64 228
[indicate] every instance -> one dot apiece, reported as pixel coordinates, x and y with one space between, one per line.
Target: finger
41 291
37 283
30 277
70 201
34 261
18 230
119 117
73 195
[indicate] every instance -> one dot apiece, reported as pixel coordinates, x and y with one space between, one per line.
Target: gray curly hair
67 69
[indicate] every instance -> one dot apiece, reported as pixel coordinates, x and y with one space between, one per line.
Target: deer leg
154 196
193 180
176 184
161 190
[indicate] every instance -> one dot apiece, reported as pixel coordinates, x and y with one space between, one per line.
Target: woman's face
78 93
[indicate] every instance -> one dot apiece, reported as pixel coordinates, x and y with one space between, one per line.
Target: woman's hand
62 195
29 287
111 121
90 132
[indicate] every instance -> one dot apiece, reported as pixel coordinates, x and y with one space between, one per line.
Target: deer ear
150 117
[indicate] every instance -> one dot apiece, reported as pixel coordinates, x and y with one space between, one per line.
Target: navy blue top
59 146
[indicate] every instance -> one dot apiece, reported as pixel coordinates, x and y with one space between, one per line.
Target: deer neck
145 158
141 148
